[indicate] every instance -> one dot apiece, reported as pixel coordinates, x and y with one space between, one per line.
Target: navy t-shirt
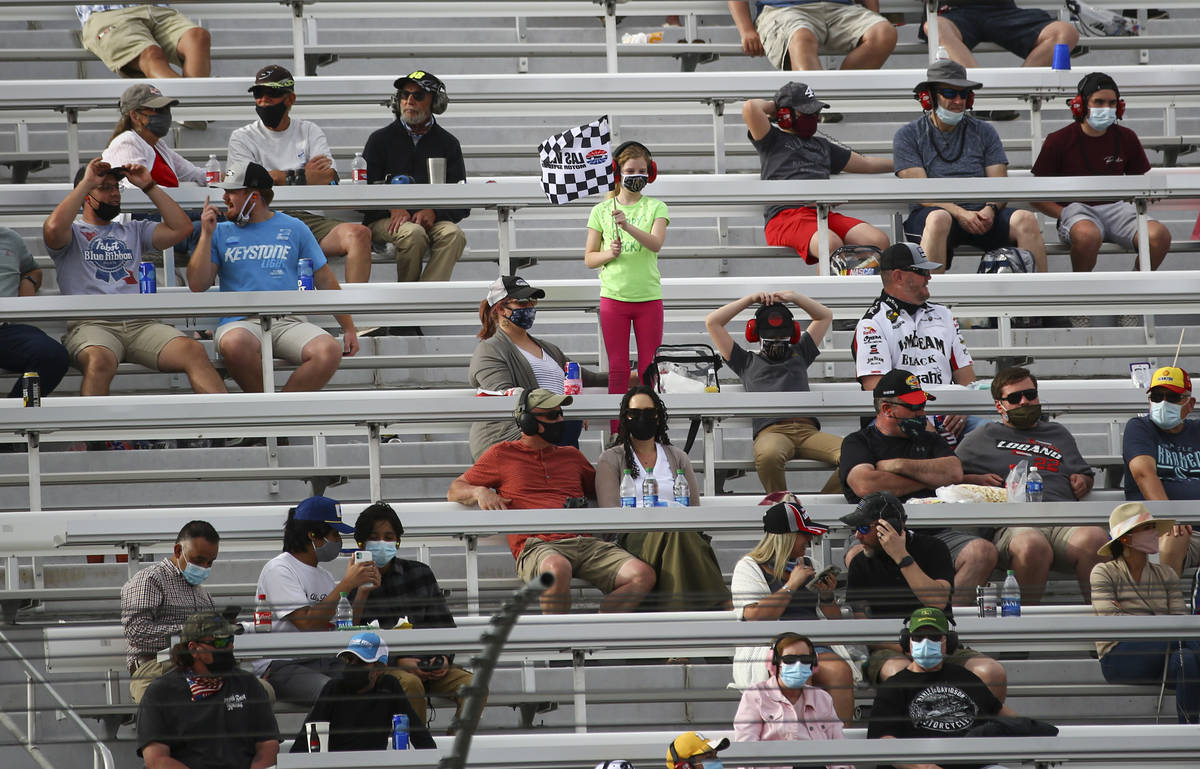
1177 456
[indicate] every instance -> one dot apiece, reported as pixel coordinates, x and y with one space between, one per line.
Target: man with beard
533 473
96 254
781 366
987 454
206 713
257 249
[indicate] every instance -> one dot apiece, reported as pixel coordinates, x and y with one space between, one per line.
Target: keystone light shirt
922 339
263 256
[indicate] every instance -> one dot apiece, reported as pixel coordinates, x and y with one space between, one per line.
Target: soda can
147 281
31 388
573 384
988 597
399 732
305 280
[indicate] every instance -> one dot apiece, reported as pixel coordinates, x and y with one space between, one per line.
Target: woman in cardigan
509 356
689 577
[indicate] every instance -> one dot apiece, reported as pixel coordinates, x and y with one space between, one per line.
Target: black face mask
159 124
222 661
643 427
272 116
107 211
552 431
912 426
356 677
775 350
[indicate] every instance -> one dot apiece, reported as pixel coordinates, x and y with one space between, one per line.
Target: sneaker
996 115
830 117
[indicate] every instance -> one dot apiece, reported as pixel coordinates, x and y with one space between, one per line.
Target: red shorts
795 227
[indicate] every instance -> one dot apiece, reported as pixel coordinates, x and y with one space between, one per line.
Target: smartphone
359 557
822 574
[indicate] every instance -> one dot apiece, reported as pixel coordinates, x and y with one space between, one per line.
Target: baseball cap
426 81
928 616
691 744
876 505
324 510
947 72
900 255
512 286
798 97
903 386
1096 81
242 175
144 95
786 517
774 321
544 399
1173 378
368 647
274 77
205 625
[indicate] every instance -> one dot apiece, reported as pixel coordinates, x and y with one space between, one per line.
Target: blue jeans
25 348
1141 662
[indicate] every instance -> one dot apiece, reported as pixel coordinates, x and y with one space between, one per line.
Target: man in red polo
534 473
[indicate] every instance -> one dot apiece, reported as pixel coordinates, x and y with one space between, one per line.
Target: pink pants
615 319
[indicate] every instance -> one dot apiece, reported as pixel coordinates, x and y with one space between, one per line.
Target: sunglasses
258 93
1014 398
864 529
635 413
1158 396
414 95
928 636
950 93
792 659
549 416
924 273
909 406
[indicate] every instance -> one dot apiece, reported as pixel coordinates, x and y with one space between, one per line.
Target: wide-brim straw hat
1129 516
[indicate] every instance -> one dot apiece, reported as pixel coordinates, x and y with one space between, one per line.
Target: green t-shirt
633 276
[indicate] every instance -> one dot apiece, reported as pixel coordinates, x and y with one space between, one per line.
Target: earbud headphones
773 315
1078 102
905 639
429 83
924 94
784 639
651 169
525 418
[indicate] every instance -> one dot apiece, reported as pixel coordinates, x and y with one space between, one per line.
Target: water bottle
1010 597
343 618
942 54
1033 486
262 614
683 493
649 491
212 171
628 490
358 169
573 381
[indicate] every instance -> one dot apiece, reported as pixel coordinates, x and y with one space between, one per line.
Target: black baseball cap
785 517
273 77
876 505
900 255
798 97
426 81
512 286
774 321
903 386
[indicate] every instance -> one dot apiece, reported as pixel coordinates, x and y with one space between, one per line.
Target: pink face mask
1145 540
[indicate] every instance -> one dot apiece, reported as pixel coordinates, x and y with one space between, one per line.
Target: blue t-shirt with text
1176 457
263 256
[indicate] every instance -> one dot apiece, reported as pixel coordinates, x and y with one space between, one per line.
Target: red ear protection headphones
785 639
1078 104
924 95
651 170
776 316
785 117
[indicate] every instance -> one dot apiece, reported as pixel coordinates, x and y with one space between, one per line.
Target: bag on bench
1007 259
685 368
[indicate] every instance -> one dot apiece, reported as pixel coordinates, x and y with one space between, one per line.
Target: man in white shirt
296 152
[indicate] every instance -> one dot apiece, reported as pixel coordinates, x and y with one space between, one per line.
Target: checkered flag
577 162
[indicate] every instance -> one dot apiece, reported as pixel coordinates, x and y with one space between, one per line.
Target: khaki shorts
289 334
135 341
837 27
591 559
320 226
880 656
119 36
1057 536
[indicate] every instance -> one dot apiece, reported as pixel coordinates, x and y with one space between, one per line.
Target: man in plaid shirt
157 600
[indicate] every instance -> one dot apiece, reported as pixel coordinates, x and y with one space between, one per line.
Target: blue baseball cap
325 510
368 647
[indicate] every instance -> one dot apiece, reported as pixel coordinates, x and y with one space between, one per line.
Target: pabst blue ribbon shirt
922 339
102 258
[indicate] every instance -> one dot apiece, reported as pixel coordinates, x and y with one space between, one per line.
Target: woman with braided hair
689 577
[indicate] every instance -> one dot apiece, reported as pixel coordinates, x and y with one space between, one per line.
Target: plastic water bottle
358 169
1010 596
212 171
262 614
343 618
573 381
649 491
628 490
683 492
1033 486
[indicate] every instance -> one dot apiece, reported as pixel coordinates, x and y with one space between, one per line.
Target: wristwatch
995 208
905 561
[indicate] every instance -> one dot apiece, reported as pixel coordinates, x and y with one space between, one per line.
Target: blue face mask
522 317
1166 415
195 574
795 675
948 117
1100 118
927 652
712 763
381 552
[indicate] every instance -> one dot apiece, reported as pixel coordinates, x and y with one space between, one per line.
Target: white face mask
948 117
1100 118
1166 415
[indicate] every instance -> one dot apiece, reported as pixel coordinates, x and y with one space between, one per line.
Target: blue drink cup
1062 57
399 732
